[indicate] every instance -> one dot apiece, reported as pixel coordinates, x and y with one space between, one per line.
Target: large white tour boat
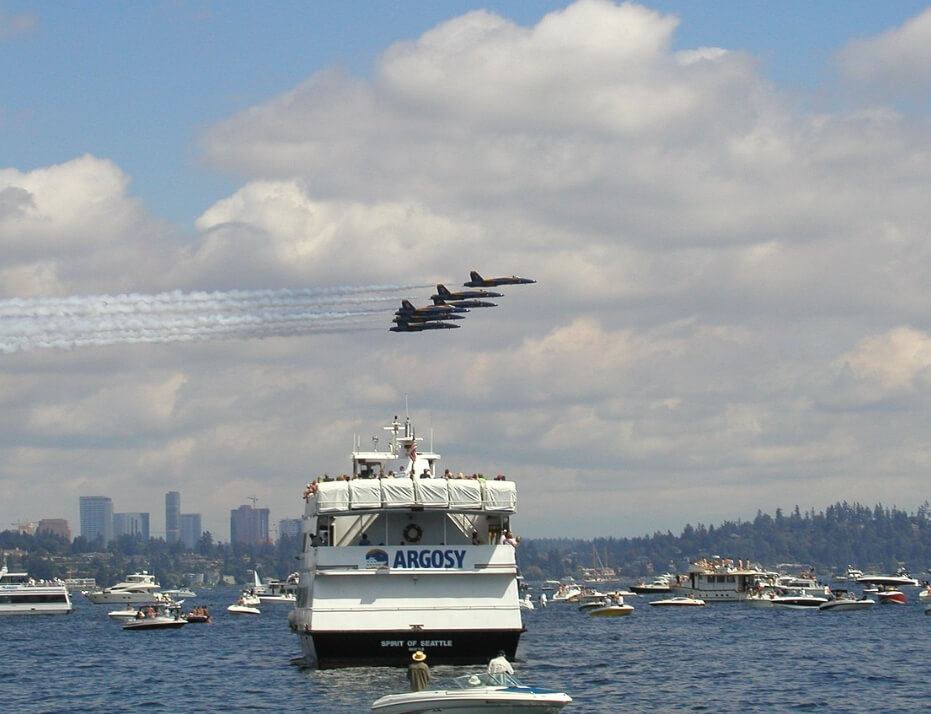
397 558
22 595
717 580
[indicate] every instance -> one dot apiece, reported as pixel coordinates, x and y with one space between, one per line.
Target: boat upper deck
457 495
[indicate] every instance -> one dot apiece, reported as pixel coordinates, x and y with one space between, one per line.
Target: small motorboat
249 599
659 585
611 607
156 617
682 601
844 600
475 694
889 595
126 613
240 608
798 600
198 615
925 594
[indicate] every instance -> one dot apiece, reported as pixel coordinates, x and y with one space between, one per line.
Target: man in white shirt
500 665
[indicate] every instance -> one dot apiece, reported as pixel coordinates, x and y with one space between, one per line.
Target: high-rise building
97 518
131 524
190 529
289 527
172 517
55 526
249 525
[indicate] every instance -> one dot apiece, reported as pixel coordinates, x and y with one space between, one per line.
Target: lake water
725 657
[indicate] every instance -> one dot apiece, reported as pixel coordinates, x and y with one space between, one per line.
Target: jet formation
450 304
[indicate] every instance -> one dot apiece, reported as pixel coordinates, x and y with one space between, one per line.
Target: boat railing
445 494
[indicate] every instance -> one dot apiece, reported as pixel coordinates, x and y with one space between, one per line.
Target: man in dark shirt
418 673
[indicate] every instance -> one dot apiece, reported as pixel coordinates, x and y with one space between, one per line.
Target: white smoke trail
97 320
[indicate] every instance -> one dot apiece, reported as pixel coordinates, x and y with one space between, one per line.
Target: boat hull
36 609
611 611
845 605
105 598
155 623
479 701
328 650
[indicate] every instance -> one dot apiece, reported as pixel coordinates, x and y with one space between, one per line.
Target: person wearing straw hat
418 673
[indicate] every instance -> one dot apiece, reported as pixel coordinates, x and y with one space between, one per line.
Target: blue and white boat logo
376 558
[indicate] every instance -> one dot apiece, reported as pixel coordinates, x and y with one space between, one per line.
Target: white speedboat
180 593
925 594
901 577
798 600
844 600
22 595
687 601
241 607
567 592
125 613
138 588
156 617
659 585
476 694
249 599
393 564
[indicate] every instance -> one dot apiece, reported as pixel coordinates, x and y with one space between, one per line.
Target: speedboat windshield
484 679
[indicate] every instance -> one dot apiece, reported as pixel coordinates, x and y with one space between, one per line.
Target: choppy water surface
721 658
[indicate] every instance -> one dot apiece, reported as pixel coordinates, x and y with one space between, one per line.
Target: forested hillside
876 538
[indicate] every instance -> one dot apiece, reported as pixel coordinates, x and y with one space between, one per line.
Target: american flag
413 451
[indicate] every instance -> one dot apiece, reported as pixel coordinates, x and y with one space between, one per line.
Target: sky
209 211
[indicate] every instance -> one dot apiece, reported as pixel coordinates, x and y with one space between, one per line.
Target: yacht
395 560
901 577
22 595
717 580
275 591
138 588
659 585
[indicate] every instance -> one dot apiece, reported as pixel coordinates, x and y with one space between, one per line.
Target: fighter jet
437 300
402 317
478 281
407 308
443 293
421 326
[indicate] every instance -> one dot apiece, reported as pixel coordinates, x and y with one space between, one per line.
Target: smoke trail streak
97 320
